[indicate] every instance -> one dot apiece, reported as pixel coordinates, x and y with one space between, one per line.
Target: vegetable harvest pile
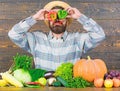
21 73
65 71
84 73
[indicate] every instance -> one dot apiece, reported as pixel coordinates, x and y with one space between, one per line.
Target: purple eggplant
49 74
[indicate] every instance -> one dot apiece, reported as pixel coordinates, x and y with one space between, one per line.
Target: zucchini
63 82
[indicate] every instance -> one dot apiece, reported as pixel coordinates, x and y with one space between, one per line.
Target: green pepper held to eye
52 15
62 14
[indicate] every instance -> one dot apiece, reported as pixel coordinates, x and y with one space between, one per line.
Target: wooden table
57 89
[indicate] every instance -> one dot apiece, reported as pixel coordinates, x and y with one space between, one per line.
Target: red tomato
98 82
116 82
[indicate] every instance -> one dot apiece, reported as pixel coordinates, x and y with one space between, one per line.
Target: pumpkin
89 69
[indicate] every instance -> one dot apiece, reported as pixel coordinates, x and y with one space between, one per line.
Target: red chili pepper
32 83
52 15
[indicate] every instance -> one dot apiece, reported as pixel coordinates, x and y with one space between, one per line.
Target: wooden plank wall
105 12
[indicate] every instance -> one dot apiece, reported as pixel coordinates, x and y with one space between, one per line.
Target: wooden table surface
57 89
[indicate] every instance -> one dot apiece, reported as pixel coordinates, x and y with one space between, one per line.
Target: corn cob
11 79
3 83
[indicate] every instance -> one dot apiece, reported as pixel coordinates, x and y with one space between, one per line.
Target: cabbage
22 75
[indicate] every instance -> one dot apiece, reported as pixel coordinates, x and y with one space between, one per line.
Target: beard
57 28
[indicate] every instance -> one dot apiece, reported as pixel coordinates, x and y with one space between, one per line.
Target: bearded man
58 46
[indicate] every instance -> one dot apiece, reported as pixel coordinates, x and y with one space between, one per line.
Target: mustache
57 23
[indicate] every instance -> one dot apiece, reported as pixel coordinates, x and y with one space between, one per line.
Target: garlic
51 80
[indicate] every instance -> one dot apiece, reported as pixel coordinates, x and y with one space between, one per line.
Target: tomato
98 82
108 83
116 82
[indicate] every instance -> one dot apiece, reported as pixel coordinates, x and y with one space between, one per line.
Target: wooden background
104 12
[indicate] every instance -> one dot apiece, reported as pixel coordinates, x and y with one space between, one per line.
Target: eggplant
49 74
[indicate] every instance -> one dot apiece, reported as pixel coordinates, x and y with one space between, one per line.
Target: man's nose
57 19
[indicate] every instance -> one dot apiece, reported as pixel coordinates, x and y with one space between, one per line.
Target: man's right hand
40 15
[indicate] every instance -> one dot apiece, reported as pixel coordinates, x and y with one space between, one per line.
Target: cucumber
63 82
56 84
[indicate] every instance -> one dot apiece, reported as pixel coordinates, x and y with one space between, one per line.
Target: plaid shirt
49 52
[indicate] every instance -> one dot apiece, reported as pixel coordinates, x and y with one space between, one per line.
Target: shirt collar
50 36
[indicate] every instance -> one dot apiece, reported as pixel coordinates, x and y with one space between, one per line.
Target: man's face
58 26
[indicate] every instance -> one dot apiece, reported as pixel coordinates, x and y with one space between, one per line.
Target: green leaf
22 61
36 73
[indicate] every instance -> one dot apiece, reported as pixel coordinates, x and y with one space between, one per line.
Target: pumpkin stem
88 57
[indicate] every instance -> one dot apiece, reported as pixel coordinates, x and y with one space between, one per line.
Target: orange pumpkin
89 69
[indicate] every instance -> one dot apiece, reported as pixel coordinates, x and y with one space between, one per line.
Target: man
58 46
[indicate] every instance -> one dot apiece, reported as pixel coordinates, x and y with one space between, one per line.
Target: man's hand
40 15
73 13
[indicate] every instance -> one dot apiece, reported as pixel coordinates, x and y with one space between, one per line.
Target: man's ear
69 21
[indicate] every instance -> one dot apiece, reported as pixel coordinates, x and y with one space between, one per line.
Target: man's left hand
73 13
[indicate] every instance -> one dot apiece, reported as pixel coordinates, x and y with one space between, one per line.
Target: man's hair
57 7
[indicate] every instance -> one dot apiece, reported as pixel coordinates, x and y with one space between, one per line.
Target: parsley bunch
79 82
22 61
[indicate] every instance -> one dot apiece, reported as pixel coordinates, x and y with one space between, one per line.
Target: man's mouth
57 23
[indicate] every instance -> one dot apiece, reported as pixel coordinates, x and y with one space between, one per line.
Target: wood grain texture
50 88
94 10
104 12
